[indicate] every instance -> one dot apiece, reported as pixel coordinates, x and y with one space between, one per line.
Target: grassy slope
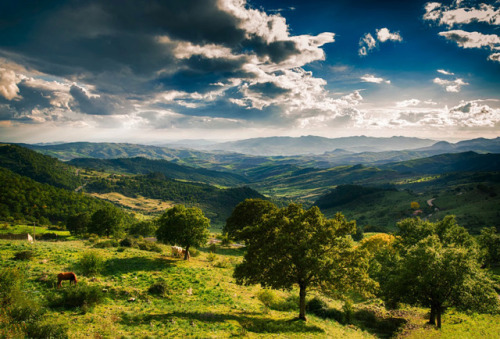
203 300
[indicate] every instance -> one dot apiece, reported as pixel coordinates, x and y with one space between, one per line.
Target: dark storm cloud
103 105
269 89
115 45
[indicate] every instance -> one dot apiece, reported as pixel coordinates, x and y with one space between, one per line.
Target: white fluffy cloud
368 42
374 79
459 15
442 71
450 85
8 84
472 39
408 103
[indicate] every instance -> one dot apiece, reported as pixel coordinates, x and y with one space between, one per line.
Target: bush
91 263
317 306
159 288
211 257
46 330
107 244
128 242
267 297
49 236
11 281
150 246
24 255
82 296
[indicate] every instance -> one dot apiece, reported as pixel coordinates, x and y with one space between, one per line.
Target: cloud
374 79
408 103
96 105
368 42
458 14
8 84
442 71
472 39
495 57
384 34
450 85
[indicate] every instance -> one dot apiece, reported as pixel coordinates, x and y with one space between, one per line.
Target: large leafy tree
292 246
107 221
245 216
78 224
187 227
489 241
436 265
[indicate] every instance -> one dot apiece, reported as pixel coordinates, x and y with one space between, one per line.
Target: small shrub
194 252
128 242
150 246
11 280
91 263
212 248
107 244
24 255
267 297
316 306
222 264
289 304
83 296
121 249
348 312
40 329
49 236
159 288
93 238
211 256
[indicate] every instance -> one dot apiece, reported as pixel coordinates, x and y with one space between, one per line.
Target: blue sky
153 71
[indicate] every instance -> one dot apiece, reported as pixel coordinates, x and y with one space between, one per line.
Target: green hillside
39 167
171 170
23 199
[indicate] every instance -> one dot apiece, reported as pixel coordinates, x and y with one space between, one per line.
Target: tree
293 246
144 228
78 224
107 221
436 266
247 214
489 241
414 205
187 227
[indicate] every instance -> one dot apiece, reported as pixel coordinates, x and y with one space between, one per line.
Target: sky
155 71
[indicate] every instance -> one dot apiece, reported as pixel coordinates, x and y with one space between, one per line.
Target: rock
131 300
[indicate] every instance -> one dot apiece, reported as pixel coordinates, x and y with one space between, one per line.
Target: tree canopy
183 226
435 265
292 246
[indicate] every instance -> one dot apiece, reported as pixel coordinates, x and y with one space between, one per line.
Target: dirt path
429 202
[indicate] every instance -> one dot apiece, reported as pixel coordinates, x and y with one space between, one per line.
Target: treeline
215 202
23 199
39 167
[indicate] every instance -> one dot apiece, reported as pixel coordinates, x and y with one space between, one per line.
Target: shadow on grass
382 327
249 321
128 265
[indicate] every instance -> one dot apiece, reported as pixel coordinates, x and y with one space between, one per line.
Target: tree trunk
186 255
432 319
302 295
438 311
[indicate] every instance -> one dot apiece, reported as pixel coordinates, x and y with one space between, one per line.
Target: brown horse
66 276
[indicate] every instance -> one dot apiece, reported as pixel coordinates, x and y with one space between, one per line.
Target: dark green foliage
187 227
78 224
107 244
489 242
159 288
82 296
436 265
128 242
296 246
38 167
22 198
47 330
107 221
144 228
344 194
24 255
91 263
359 234
168 169
247 214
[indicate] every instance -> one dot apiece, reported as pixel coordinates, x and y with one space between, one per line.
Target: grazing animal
176 251
66 276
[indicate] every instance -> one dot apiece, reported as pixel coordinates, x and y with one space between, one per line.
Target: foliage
78 224
24 255
22 198
267 297
91 263
145 228
436 266
343 194
82 295
358 234
297 246
489 242
247 214
159 288
107 221
414 205
107 244
187 227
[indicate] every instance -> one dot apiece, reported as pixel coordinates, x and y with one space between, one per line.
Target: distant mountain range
286 146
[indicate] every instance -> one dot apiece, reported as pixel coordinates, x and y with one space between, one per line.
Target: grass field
201 299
